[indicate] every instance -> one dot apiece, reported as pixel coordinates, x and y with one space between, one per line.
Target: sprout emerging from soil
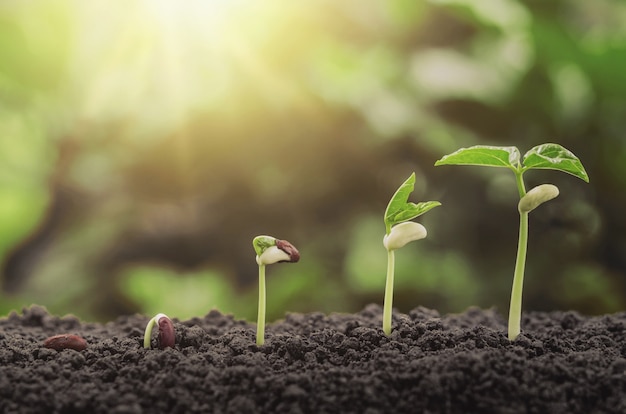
399 232
545 156
166 337
269 250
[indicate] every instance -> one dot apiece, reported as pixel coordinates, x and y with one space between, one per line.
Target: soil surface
341 363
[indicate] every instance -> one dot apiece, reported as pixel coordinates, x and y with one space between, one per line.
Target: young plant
269 250
166 337
545 156
400 231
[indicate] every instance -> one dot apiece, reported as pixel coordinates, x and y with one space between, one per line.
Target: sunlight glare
161 60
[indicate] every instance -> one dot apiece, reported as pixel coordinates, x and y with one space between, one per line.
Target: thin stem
521 188
260 325
388 305
515 310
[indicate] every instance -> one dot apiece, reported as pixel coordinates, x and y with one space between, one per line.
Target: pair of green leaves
400 210
545 156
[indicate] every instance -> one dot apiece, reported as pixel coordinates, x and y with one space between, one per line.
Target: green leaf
413 210
399 210
398 200
483 155
262 243
555 157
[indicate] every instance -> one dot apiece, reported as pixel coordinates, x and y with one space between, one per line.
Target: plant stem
515 310
260 325
521 188
388 305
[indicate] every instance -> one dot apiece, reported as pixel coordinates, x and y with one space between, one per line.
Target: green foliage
483 155
555 157
400 210
545 156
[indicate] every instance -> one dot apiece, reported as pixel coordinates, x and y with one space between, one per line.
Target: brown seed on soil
65 341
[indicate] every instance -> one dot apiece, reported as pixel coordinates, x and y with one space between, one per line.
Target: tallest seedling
545 156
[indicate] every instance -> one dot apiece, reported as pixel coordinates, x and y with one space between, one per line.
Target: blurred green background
144 143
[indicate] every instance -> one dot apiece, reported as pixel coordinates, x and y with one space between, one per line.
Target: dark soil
562 363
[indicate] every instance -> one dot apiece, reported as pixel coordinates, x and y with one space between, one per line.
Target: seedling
545 156
400 231
166 337
269 250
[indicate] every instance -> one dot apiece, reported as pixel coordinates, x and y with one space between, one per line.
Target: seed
290 249
166 337
65 341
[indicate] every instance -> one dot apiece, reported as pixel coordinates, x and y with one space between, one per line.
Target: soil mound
314 363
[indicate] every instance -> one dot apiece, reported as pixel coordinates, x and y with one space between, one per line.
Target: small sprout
65 341
269 250
166 337
399 232
545 156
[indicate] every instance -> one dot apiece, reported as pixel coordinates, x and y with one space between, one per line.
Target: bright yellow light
210 16
157 61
